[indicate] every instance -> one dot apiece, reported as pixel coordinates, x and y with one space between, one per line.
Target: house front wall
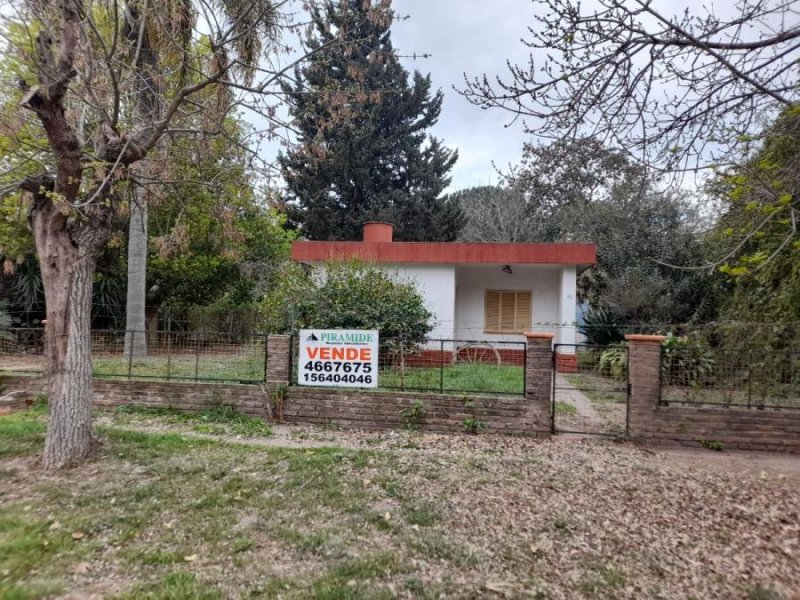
552 290
436 285
455 295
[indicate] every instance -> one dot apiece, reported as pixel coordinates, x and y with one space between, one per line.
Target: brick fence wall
252 400
347 408
747 429
530 415
385 410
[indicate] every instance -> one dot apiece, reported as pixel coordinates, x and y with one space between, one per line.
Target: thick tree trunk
69 428
135 338
67 263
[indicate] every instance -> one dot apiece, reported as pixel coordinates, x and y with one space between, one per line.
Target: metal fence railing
447 366
707 376
167 355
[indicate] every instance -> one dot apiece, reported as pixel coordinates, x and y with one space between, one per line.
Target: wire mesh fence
707 376
446 366
180 356
22 350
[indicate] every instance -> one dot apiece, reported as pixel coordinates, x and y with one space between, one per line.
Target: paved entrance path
566 392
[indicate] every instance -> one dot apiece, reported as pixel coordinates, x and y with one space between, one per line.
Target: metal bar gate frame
591 390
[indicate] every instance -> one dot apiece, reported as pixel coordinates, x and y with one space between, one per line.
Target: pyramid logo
312 338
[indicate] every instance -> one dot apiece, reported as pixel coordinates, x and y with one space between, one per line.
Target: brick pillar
539 382
644 363
278 347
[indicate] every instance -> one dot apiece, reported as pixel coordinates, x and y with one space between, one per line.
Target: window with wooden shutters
507 311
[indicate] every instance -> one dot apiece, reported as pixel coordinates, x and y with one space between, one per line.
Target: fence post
280 359
402 365
169 354
197 355
441 366
130 353
644 379
266 357
539 382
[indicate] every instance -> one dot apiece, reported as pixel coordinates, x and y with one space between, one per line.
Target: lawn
247 366
166 511
459 377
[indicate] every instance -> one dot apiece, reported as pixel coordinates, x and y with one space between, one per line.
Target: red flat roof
447 252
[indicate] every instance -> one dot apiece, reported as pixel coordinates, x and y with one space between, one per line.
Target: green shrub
277 310
613 362
413 416
473 425
685 362
601 327
357 295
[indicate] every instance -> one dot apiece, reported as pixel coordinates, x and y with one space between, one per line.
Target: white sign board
338 358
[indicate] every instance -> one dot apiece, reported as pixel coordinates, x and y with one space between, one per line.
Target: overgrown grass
460 377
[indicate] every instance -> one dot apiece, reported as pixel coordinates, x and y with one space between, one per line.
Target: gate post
278 348
539 382
644 379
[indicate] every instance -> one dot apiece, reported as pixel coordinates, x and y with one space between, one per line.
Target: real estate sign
338 357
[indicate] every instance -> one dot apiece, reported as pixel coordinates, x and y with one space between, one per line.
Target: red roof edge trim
446 252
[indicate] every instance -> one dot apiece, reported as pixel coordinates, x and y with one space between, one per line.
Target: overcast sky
476 38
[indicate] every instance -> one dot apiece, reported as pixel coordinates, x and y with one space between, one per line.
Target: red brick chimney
377 231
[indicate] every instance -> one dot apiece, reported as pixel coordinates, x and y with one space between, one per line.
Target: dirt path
569 394
763 464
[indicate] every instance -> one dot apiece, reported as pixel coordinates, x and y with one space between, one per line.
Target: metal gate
590 389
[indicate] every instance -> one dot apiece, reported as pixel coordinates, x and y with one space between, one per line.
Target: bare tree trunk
67 255
135 338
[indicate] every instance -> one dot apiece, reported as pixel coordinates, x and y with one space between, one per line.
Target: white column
566 305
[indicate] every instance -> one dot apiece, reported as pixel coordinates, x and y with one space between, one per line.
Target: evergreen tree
362 152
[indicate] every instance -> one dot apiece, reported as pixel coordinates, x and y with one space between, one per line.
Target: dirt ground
171 511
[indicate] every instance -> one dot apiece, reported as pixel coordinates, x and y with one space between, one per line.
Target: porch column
566 305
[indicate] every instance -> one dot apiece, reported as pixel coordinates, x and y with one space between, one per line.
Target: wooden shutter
491 311
507 311
522 312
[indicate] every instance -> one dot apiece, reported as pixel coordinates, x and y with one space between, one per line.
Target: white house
487 292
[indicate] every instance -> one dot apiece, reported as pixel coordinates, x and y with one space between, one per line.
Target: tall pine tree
362 152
